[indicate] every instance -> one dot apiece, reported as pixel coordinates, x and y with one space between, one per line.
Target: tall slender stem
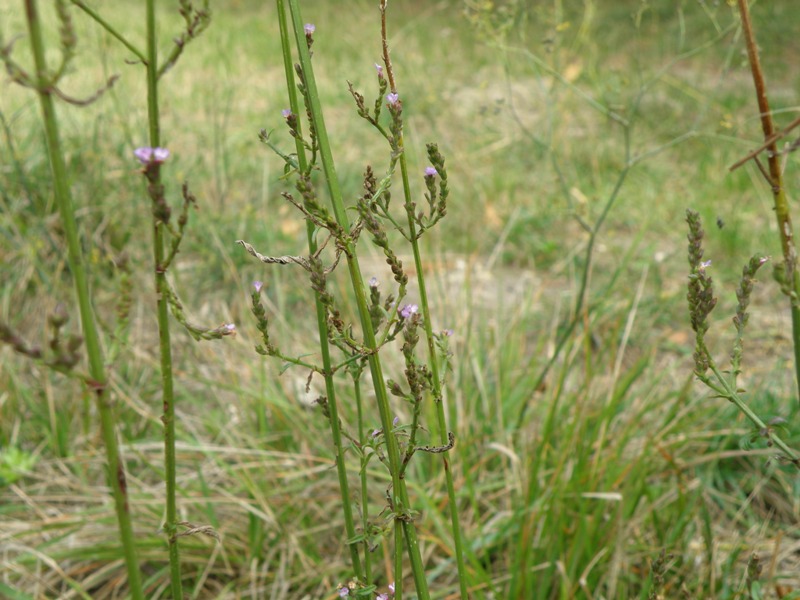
116 470
785 229
399 491
162 313
109 28
433 360
322 321
436 390
362 439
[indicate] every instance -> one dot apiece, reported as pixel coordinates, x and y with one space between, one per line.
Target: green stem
322 320
400 493
362 439
162 314
109 28
116 470
433 361
785 229
398 561
731 395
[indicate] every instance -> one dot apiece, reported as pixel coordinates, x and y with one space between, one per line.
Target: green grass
621 454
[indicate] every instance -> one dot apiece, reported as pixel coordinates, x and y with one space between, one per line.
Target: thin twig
781 206
276 260
769 142
386 60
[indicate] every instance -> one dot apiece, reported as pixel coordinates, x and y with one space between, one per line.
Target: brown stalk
775 180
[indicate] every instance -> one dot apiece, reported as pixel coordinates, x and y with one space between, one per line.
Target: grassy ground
620 454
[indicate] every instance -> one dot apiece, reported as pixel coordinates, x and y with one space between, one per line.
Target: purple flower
373 282
431 172
286 112
309 28
382 597
229 327
344 592
392 99
395 421
259 285
447 332
391 588
379 69
408 310
147 155
376 432
704 265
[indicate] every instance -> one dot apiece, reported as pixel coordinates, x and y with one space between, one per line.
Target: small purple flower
379 69
309 28
392 99
447 332
286 113
147 155
373 282
229 327
431 172
395 421
382 597
258 285
391 588
408 310
344 592
704 265
376 432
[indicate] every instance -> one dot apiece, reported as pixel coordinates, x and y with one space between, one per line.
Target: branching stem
63 196
775 180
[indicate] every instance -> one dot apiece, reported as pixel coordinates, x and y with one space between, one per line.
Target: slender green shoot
160 218
322 321
400 499
433 358
44 84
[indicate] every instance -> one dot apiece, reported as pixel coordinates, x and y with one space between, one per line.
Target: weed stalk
160 216
787 273
400 498
433 360
44 84
701 302
322 319
164 250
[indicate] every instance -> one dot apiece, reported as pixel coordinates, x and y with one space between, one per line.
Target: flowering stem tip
408 310
147 155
